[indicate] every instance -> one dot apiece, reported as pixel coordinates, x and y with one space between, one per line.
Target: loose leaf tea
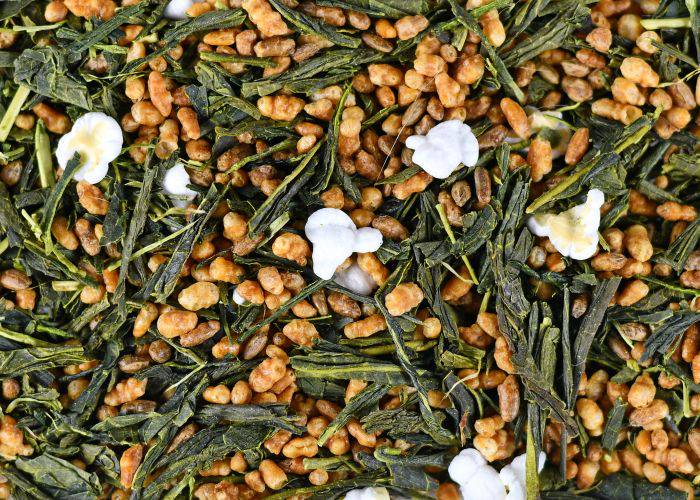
163 334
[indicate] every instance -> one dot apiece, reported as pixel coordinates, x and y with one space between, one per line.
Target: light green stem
416 345
286 144
448 229
35 29
47 178
65 286
574 178
230 58
22 338
657 24
150 247
13 111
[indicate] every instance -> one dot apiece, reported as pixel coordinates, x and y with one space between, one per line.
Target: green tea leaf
45 71
59 478
621 486
670 330
102 31
500 69
310 26
602 294
392 9
20 361
613 425
677 253
167 278
366 398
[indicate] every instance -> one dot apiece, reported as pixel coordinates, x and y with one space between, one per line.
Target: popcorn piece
177 9
479 481
476 479
335 237
369 493
514 478
549 125
574 233
238 299
175 184
444 148
354 278
552 127
97 137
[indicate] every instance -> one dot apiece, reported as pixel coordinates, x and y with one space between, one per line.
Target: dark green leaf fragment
613 425
621 486
45 71
102 31
677 253
602 294
392 9
55 198
569 17
59 478
366 398
20 361
11 8
311 26
500 70
171 270
667 333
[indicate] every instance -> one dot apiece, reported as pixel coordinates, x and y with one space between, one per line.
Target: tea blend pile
520 293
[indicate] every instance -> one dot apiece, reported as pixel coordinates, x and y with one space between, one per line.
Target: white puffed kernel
335 238
369 493
177 9
514 476
476 479
175 184
355 279
549 125
97 138
552 127
574 233
238 298
446 146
